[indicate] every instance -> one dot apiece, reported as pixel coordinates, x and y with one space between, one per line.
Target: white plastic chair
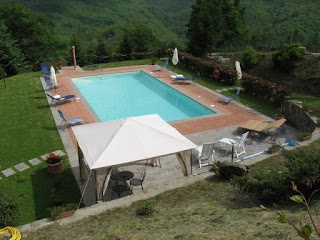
237 144
205 154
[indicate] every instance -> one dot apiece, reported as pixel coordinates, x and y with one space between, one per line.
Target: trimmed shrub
249 57
8 210
287 57
265 89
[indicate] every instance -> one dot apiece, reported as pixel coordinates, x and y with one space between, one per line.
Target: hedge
225 74
265 89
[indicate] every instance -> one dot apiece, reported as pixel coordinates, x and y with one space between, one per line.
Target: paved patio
199 130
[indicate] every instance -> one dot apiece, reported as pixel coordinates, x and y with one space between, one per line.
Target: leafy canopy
213 24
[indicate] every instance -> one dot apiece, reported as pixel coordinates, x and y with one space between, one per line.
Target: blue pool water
122 95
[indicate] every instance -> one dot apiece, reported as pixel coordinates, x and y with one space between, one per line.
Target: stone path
23 166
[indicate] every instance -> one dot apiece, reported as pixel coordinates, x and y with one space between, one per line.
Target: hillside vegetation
269 23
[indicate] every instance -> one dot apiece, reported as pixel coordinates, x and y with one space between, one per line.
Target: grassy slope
210 209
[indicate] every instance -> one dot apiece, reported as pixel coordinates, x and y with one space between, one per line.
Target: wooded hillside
269 23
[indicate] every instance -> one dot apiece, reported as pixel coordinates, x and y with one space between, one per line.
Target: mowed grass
28 131
209 209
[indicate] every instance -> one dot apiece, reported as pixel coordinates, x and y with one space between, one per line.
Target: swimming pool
122 95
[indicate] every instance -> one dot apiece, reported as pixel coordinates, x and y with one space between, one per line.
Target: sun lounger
257 127
164 66
226 100
186 79
61 99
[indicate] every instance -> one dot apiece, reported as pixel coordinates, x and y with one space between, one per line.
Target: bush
8 210
226 75
249 57
265 89
146 209
301 165
304 168
287 57
268 187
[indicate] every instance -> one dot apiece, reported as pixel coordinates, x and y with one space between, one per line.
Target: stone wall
298 117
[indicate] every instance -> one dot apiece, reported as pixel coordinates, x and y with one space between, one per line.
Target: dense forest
268 23
101 29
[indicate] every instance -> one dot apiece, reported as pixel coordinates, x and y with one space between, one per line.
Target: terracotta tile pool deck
229 114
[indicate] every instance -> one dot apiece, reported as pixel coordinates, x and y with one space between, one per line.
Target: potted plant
59 64
63 211
304 136
54 164
275 147
278 116
153 61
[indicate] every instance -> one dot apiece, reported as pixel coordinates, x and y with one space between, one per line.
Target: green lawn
28 131
312 102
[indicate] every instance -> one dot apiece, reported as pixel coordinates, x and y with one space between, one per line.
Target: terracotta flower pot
278 116
63 215
272 151
55 168
305 138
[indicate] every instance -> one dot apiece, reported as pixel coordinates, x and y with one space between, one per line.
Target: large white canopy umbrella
53 77
119 142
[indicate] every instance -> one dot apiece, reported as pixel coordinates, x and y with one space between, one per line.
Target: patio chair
44 69
48 82
205 154
138 181
61 99
164 66
236 143
227 100
185 79
72 121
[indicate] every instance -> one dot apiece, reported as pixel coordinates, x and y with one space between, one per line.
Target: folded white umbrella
175 58
53 77
238 68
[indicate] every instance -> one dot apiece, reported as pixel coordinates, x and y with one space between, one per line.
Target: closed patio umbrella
53 77
175 58
238 68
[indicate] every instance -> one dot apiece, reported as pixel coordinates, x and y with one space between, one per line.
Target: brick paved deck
230 114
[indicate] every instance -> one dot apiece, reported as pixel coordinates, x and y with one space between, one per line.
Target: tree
81 53
138 39
11 58
31 32
102 51
213 24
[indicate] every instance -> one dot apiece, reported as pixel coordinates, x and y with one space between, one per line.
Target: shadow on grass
43 107
53 190
51 128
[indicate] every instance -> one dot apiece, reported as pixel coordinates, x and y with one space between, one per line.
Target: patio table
122 176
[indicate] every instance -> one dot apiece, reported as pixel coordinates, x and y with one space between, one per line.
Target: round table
122 176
